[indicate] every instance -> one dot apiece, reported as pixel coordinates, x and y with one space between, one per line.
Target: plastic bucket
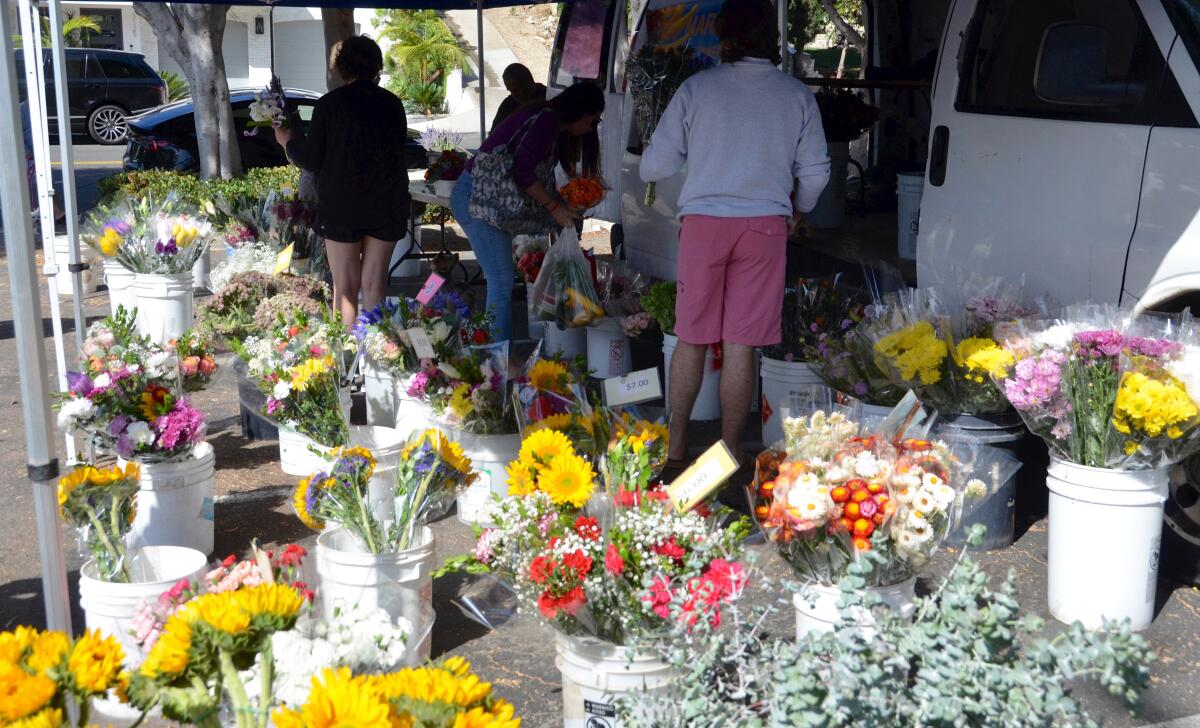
1105 530
412 414
444 187
410 267
175 502
830 210
379 390
490 455
781 380
595 673
62 259
708 401
608 352
998 512
570 342
164 304
909 188
385 443
817 608
299 455
200 270
119 280
399 583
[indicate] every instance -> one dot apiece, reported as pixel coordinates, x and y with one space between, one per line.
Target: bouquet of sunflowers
101 503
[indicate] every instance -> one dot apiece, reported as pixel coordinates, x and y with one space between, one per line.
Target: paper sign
633 388
432 284
283 261
421 344
703 477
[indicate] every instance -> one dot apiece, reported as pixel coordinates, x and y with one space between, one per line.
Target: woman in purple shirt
564 129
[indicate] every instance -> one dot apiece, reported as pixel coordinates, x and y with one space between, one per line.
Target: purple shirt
535 147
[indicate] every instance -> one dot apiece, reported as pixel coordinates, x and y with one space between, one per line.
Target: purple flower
274 405
1036 380
182 426
1154 348
168 249
79 383
116 428
861 389
125 446
416 388
1107 343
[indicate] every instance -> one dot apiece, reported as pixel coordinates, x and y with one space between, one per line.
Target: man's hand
796 222
283 135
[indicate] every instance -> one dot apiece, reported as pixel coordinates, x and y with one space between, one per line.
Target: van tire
107 125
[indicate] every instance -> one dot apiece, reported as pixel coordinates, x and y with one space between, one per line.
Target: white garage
300 53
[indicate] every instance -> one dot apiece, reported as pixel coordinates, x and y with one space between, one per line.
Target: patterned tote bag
497 199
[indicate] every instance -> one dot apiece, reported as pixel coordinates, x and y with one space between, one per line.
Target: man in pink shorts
756 158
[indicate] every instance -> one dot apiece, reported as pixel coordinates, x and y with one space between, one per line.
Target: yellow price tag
283 261
703 477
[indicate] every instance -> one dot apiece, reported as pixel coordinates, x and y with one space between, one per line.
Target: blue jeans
493 250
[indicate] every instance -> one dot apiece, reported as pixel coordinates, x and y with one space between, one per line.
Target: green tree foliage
73 29
177 86
423 51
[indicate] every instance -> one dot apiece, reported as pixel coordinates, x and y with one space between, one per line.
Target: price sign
432 284
420 342
703 477
283 261
639 386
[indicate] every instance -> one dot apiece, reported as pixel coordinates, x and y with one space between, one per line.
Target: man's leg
687 374
737 389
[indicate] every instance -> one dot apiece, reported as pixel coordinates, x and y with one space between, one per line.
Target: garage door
300 54
235 47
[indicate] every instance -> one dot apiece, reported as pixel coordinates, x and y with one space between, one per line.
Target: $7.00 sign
639 386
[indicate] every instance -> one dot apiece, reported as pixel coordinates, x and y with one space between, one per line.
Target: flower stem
268 677
236 690
118 556
85 706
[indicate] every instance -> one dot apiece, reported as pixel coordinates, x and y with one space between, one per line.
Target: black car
166 138
104 88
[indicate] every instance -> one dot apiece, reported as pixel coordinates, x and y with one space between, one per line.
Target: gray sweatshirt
745 130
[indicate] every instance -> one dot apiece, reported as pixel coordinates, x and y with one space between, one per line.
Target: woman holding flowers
356 146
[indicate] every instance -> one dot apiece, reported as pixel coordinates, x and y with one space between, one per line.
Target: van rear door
1042 115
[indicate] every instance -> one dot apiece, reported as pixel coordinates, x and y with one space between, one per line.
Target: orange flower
862 544
582 193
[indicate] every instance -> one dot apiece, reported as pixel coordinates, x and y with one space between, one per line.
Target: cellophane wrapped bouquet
196 358
146 235
471 391
291 220
383 333
549 395
269 109
101 503
298 367
1105 388
584 192
530 252
817 315
604 562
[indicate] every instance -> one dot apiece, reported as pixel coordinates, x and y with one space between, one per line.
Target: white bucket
385 443
608 352
595 673
570 342
379 389
175 502
62 259
830 210
444 187
1105 529
909 188
119 280
347 400
817 610
410 267
200 270
164 304
490 455
781 380
296 453
401 583
708 401
412 414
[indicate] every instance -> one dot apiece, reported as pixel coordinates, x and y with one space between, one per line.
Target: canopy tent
41 458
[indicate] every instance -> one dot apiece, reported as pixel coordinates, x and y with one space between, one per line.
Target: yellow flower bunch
550 376
170 655
184 233
549 463
303 374
560 423
1150 407
305 497
448 450
95 663
915 352
460 401
982 360
86 475
37 669
109 241
439 696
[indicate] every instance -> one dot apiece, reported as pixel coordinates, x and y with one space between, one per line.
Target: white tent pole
27 327
35 97
67 158
482 72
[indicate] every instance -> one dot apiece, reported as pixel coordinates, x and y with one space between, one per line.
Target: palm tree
177 86
72 27
422 44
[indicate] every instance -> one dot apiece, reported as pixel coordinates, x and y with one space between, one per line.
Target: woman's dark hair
748 29
576 102
358 59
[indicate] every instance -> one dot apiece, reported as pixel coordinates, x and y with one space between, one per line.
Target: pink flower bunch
182 427
416 387
485 547
148 619
230 576
722 582
1036 380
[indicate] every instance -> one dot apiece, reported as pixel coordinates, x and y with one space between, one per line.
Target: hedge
256 183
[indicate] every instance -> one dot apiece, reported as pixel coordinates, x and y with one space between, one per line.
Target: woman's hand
564 216
283 135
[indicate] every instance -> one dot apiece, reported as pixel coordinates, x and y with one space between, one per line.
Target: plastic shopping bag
564 291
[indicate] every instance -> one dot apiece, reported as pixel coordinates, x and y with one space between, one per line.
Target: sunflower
460 401
47 650
22 694
346 453
338 699
95 662
48 718
156 401
169 656
452 453
276 600
68 483
552 422
432 684
305 500
568 480
499 716
545 445
549 376
657 432
223 613
521 480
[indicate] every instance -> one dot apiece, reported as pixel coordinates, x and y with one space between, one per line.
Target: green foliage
966 658
73 28
425 98
659 302
256 184
177 86
422 53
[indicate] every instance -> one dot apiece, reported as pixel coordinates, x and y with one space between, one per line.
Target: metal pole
27 328
35 88
482 72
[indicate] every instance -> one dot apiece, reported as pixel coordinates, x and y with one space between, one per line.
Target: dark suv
104 88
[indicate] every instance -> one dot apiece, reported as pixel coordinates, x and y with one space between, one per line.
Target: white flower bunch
818 436
76 412
256 256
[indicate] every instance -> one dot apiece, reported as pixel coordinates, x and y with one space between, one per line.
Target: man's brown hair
748 29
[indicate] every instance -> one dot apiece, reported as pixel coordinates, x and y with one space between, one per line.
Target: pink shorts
731 273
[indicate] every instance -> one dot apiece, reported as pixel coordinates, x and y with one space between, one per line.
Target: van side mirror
1072 68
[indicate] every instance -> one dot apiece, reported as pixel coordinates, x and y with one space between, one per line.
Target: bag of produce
563 291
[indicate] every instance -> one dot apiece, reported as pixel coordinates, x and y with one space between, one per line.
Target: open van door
591 45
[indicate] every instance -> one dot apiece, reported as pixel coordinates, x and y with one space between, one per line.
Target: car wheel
106 124
1181 534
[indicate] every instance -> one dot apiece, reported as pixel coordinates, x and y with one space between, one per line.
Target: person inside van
522 91
755 150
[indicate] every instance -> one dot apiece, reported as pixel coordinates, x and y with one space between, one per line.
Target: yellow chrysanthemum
48 718
47 651
545 445
22 694
1152 408
338 699
272 599
549 376
915 351
460 401
304 500
521 481
302 375
169 656
569 479
983 358
95 662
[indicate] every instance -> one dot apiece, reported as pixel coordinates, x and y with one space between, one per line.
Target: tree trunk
853 37
338 25
191 35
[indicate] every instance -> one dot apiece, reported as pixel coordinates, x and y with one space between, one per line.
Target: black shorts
337 234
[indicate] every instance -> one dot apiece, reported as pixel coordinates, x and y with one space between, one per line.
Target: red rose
613 561
479 337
